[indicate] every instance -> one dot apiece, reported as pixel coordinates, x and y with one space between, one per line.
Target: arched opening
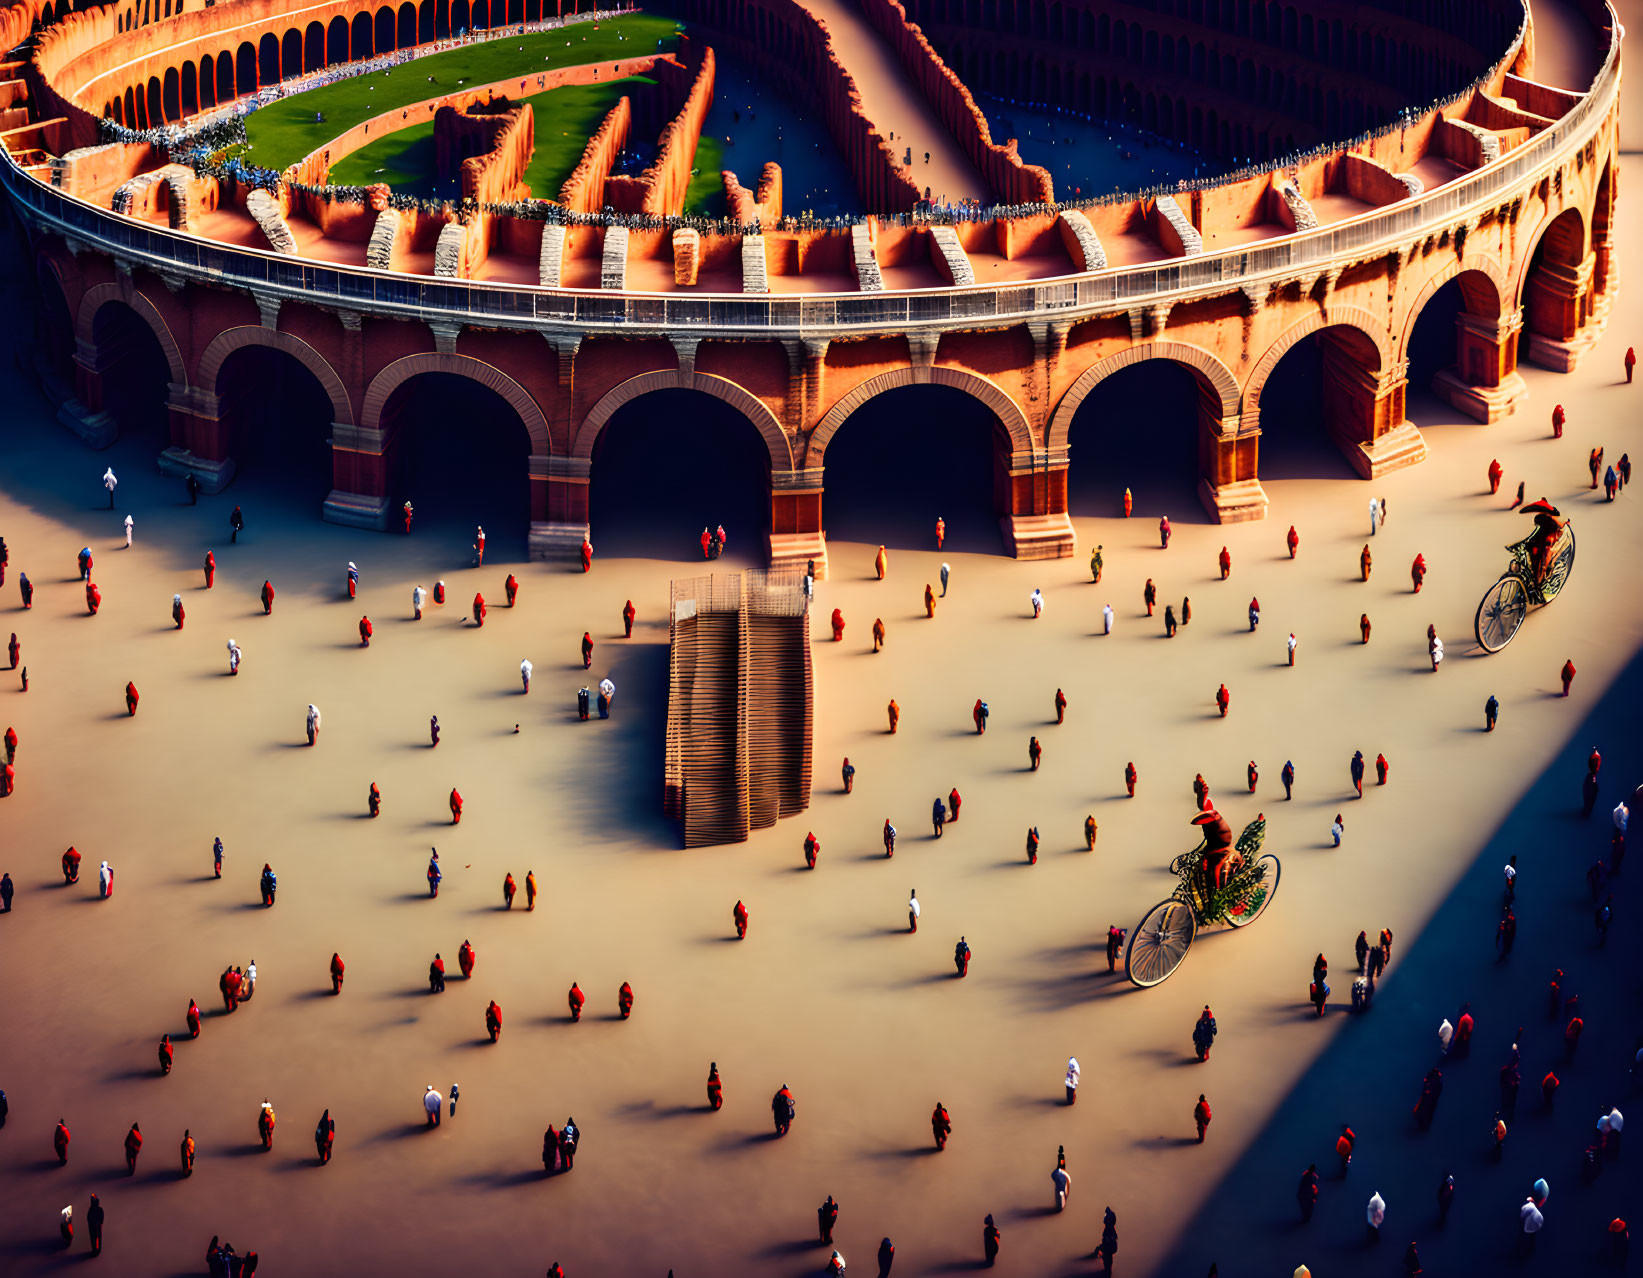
909 456
1142 428
460 457
225 77
336 41
245 77
1455 338
313 47
171 95
291 54
384 41
268 59
278 418
360 37
191 91
1555 305
133 372
407 26
1316 404
670 462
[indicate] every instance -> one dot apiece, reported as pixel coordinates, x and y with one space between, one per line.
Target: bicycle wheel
1259 897
1557 576
1159 943
1501 612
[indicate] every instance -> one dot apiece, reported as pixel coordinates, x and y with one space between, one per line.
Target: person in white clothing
1037 601
249 984
1622 814
418 594
1106 619
525 669
1437 654
105 880
1617 1122
313 724
1374 515
233 657
431 1101
1446 1032
1532 1221
1072 1080
913 910
1292 642
110 483
128 532
1375 1215
1063 1183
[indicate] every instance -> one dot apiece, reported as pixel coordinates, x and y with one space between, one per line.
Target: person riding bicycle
1216 848
1544 539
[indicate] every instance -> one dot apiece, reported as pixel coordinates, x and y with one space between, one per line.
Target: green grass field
284 132
706 194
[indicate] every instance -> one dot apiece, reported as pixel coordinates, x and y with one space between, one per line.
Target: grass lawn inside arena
282 133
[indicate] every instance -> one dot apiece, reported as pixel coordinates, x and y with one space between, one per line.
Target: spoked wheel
1501 613
1557 576
1253 905
1159 943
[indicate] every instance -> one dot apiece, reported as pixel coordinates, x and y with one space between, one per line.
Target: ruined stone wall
661 188
584 190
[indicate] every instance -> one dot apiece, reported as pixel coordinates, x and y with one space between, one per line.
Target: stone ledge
550 259
687 256
1480 403
1401 446
557 540
356 510
613 263
1235 503
1192 244
212 476
1039 536
794 550
1299 208
96 430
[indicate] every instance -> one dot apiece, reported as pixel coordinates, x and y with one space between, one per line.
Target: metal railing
817 314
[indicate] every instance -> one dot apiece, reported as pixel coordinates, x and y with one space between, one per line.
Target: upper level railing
820 314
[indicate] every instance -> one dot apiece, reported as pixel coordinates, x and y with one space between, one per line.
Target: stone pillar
84 414
1229 456
559 506
362 476
1032 491
199 438
1364 411
1558 302
1484 382
796 534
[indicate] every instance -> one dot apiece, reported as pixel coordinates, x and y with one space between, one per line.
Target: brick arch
745 402
1203 363
1352 317
226 343
1520 279
1475 265
1005 409
125 291
385 383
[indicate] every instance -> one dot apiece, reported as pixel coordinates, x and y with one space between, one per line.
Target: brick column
1364 411
84 414
199 438
1484 382
1229 456
559 506
1558 303
362 477
1030 488
796 534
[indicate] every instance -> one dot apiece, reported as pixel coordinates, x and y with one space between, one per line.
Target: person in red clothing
1558 418
1226 563
325 1134
1223 699
1060 706
1571 1036
1293 540
1417 572
1217 845
838 625
955 801
587 650
1548 1088
365 632
510 588
479 609
336 973
479 547
707 544
941 1125
941 531
177 613
1595 464
132 696
456 806
1568 675
812 848
94 598
1344 1145
373 800
1364 627
628 614
210 569
1130 776
509 887
1631 363
739 914
493 1021
134 1145
193 1019
575 999
587 555
267 598
465 960
8 782
1495 473
1035 753
59 1142
165 1053
1201 1117
1381 769
624 1001
1253 774
715 1087
71 866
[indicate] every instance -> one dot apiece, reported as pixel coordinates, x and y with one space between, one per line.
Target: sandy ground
828 994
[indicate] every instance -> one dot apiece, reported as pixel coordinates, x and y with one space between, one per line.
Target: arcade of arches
1024 424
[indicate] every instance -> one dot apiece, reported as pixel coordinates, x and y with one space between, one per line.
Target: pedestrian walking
715 1087
1357 772
236 524
493 1020
312 723
1036 600
525 669
337 970
1426 1107
1291 643
1149 596
1417 572
1169 621
1070 1080
1533 1221
1506 933
128 528
1164 531
1366 561
961 957
234 656
1374 515
1060 706
1032 845
1201 1117
881 562
941 1125
267 597
1225 560
929 600
110 483
366 630
783 1109
1090 831
1306 1193
1375 1215
1130 778
739 916
990 1236
1254 614
133 1147
1106 619
1096 564
1345 1143
913 912
878 633
1287 776
1203 1033
827 1216
848 773
325 1136
946 572
432 1104
479 608
435 876
1631 363
1062 1181
1568 675
1035 753
1115 943
1223 699
1495 473
1594 463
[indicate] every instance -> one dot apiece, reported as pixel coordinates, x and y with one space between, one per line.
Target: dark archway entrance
1314 404
461 458
1141 428
909 456
134 372
54 328
670 462
1555 305
278 421
1433 342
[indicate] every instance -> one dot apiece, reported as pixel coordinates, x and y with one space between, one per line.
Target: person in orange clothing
1365 561
894 711
1568 675
132 697
134 1146
509 887
624 1001
267 598
941 1125
881 562
493 1020
1293 541
165 1053
510 588
465 960
929 601
715 1087
71 866
1223 699
210 569
1201 1117
530 890
1226 563
94 598
479 609
177 613
365 632
1495 473
587 650
838 626
941 524
1130 777
878 633
337 970
1382 767
1129 503
812 849
1090 831
193 1019
587 555
265 1125
575 999
456 806
1363 627
1060 706
186 1152
1417 572
739 914
628 614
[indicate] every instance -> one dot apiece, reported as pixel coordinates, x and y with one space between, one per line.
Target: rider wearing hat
1548 531
1217 846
